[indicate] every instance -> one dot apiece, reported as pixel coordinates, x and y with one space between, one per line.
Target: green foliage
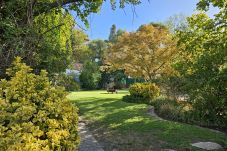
66 81
113 34
172 86
172 109
43 32
59 42
90 76
202 65
34 115
144 91
167 109
176 23
106 73
48 42
98 48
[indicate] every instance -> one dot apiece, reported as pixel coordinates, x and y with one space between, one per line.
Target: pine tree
113 33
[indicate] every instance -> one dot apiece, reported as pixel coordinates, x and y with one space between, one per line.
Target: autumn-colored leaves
146 53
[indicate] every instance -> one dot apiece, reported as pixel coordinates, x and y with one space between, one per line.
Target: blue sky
153 11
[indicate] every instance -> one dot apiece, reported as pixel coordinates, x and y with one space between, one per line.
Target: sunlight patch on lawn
109 113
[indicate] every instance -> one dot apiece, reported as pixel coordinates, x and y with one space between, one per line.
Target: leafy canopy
202 64
145 53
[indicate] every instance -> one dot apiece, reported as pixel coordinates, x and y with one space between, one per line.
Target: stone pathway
87 141
207 145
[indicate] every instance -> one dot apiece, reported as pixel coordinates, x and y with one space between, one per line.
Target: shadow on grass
112 114
121 92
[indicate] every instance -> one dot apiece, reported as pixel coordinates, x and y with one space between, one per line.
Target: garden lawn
127 126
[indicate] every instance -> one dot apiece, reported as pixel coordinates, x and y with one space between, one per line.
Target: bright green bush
66 81
34 115
146 91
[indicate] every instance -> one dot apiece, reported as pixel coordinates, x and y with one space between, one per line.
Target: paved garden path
87 141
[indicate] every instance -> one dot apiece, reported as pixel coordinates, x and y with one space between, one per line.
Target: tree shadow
111 117
119 92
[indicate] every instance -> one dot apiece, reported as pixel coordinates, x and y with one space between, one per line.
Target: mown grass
127 125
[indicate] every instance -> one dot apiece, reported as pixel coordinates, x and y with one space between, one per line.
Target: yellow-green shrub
146 91
34 115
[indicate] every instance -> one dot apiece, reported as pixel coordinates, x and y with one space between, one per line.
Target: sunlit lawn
127 126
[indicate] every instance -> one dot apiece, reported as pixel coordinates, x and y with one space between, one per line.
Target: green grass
113 120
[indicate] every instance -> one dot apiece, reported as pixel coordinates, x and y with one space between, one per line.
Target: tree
113 34
58 42
119 33
202 63
32 8
90 75
146 53
176 23
39 30
106 74
48 44
98 48
81 51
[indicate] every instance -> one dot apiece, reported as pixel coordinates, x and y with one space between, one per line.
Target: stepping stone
152 113
207 145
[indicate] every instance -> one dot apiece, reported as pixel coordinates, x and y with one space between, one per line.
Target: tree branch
48 6
52 28
62 3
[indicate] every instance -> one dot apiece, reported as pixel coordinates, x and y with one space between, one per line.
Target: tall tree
90 75
176 23
202 63
98 48
145 53
39 30
47 44
113 33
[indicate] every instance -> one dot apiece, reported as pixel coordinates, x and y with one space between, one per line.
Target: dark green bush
144 91
210 102
66 81
34 115
172 109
